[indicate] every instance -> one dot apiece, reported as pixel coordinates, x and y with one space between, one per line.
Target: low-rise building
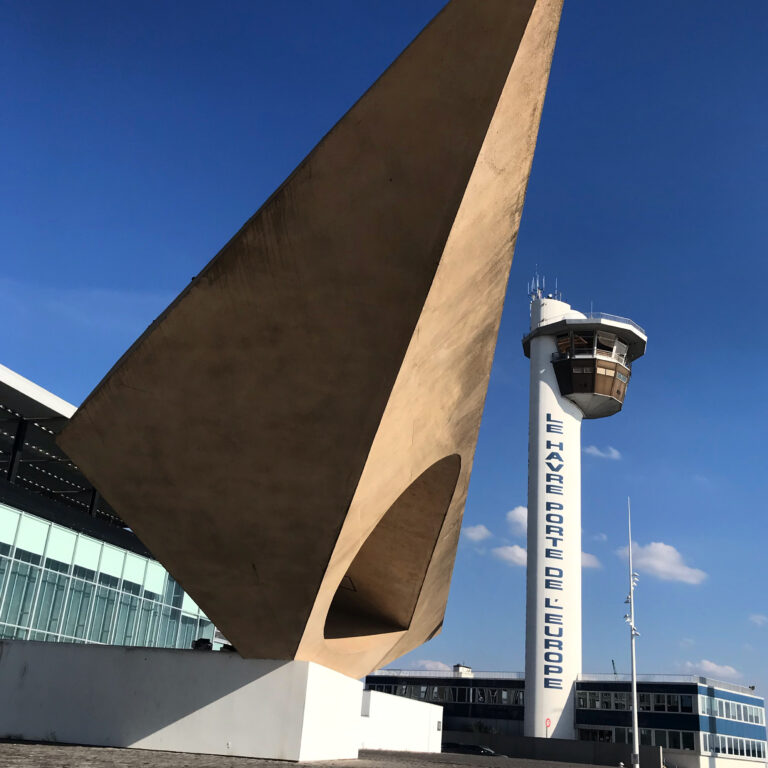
692 718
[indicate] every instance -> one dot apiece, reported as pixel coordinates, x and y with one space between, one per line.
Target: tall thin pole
633 634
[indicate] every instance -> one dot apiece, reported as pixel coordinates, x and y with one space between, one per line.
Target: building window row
733 745
647 702
731 710
592 344
454 694
711 742
69 603
648 737
658 737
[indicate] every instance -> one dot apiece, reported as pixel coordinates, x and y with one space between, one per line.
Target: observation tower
580 369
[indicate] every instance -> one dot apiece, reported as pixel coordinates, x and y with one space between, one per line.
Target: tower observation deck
581 366
593 360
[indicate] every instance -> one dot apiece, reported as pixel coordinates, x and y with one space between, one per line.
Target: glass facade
59 585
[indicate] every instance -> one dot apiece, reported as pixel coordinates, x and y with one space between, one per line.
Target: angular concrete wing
293 437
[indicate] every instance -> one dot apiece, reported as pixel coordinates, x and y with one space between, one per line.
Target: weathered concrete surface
293 437
20 755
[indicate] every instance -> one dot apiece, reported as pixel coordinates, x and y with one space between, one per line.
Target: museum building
70 569
687 715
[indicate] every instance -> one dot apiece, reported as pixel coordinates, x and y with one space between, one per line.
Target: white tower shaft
553 607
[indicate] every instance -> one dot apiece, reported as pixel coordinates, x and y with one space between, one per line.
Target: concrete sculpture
293 437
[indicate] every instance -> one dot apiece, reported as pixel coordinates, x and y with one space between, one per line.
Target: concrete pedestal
181 701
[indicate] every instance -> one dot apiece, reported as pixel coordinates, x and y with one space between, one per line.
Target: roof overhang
628 332
30 419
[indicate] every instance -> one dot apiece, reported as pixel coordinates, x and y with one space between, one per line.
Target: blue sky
136 139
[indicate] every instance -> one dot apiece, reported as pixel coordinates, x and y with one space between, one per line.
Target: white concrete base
398 724
181 701
683 758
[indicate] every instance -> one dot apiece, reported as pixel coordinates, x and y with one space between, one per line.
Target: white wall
399 724
184 701
680 758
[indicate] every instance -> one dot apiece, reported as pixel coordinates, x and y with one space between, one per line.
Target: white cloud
477 533
518 520
511 555
430 664
759 619
609 453
703 480
710 669
589 561
600 537
662 561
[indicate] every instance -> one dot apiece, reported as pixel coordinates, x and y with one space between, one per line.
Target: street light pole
630 618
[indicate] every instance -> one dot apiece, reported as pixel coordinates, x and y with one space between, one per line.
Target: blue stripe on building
732 727
739 698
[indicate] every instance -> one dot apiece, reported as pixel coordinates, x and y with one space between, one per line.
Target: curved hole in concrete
378 594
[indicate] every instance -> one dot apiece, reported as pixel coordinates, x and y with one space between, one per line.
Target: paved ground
25 755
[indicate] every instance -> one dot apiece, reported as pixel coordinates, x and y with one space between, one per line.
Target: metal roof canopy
30 419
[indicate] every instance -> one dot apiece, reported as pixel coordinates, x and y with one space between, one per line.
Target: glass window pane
26 557
76 613
127 616
584 342
149 619
22 581
187 632
103 614
56 565
206 631
50 601
4 565
673 702
605 342
169 626
563 342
